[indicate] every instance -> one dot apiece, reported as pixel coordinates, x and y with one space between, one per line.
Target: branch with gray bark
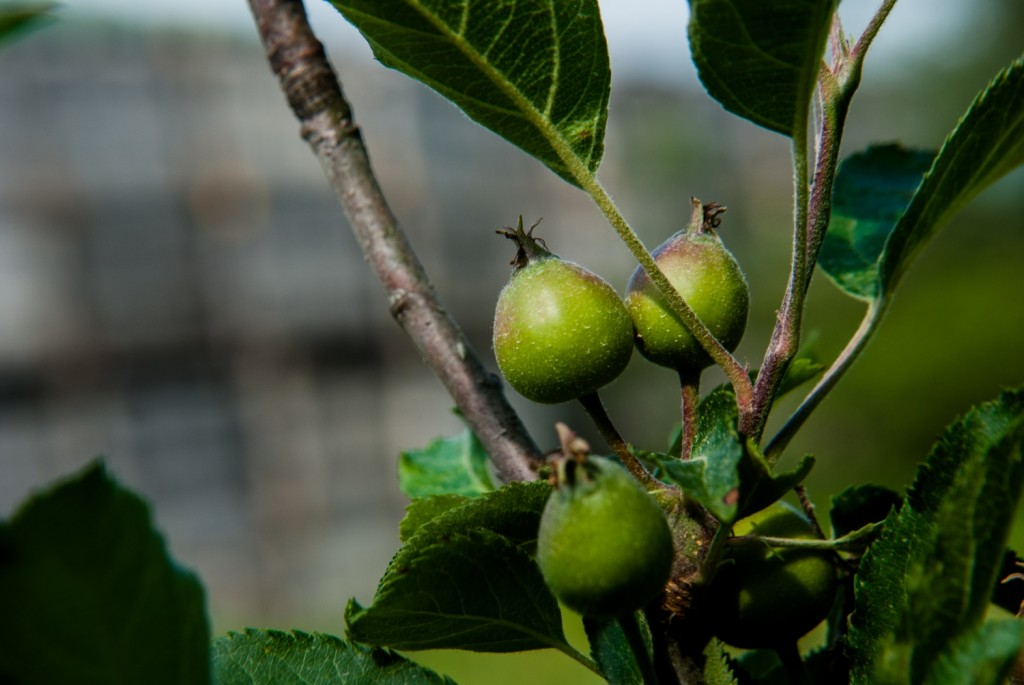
314 94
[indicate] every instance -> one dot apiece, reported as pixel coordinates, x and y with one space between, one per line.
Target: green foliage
872 191
422 510
96 597
463 580
612 652
454 466
717 670
533 71
803 369
726 473
884 214
861 505
924 586
760 60
986 144
17 18
983 655
474 591
271 657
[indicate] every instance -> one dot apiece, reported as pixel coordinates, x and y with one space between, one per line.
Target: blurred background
180 293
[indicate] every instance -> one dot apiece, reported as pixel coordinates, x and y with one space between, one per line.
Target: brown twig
314 94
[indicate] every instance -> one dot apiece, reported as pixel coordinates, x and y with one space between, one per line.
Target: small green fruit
770 597
604 545
560 331
711 282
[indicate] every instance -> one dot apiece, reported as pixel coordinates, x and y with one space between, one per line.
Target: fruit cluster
562 332
604 545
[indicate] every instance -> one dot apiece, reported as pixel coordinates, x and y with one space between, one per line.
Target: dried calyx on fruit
710 281
604 544
560 330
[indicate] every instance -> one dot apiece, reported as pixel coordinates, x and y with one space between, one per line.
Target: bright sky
642 34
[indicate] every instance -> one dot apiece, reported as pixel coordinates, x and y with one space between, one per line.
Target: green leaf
983 656
712 474
611 650
717 670
88 593
512 512
535 72
16 18
273 657
987 143
860 505
927 581
474 591
889 201
725 473
448 466
426 509
769 487
759 59
872 191
801 370
463 580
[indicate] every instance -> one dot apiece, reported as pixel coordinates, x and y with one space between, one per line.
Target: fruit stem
630 625
808 506
813 210
734 371
689 390
858 539
595 409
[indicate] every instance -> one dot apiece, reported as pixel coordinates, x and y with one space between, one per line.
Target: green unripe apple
770 597
710 281
604 545
560 330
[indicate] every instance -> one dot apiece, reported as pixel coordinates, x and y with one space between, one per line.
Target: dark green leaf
533 71
611 651
800 371
272 657
769 488
717 670
986 144
425 509
16 18
762 666
448 466
88 593
859 505
725 473
759 59
712 474
474 591
512 512
983 656
463 580
888 202
927 581
871 193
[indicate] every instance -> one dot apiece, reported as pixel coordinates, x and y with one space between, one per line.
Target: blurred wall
180 294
